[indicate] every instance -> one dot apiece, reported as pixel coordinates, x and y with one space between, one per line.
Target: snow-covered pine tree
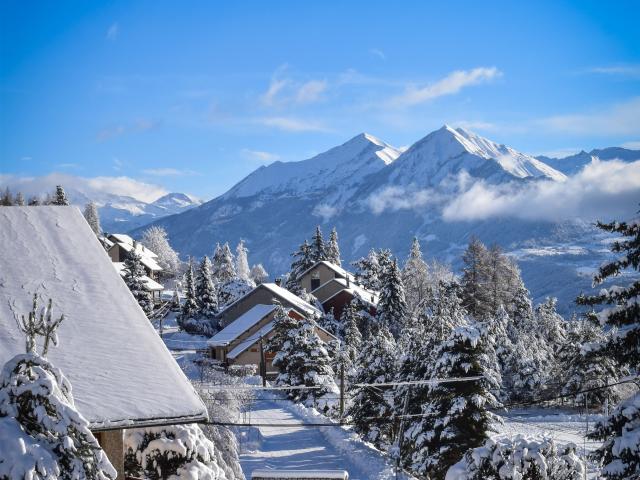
443 311
283 327
19 200
497 330
370 409
92 217
526 458
43 435
242 263
34 201
133 273
474 278
6 199
584 367
206 295
174 451
259 274
351 336
415 277
190 305
60 197
368 271
457 416
318 247
620 452
333 249
223 269
329 322
155 239
392 307
302 261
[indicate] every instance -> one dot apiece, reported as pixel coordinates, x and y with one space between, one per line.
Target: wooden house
121 245
121 373
242 341
265 294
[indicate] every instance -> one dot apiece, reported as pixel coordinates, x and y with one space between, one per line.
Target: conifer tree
457 416
92 217
318 248
352 338
392 306
133 273
205 292
370 409
283 327
6 200
33 201
190 304
621 431
333 249
19 199
368 271
60 197
302 261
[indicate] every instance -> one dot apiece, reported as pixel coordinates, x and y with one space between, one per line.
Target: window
315 280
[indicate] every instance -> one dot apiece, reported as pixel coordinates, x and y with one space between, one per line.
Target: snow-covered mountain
121 213
574 163
379 196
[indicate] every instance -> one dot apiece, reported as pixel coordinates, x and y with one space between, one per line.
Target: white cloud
260 156
449 85
137 126
95 188
287 91
291 124
617 70
168 172
619 119
395 198
325 211
310 92
113 31
378 53
603 190
631 145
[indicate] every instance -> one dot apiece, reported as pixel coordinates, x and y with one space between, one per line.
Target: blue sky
194 96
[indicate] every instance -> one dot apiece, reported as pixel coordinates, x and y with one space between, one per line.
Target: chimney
278 281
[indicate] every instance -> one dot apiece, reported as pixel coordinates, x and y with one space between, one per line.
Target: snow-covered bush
42 435
520 458
171 452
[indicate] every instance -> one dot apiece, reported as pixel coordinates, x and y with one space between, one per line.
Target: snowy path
305 448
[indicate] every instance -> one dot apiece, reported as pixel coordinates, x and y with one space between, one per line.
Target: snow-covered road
307 448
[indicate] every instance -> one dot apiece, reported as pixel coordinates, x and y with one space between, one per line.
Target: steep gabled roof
241 324
150 284
339 270
121 372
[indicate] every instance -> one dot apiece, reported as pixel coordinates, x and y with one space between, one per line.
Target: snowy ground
304 448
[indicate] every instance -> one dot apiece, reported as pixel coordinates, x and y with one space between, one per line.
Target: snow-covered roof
121 372
250 340
297 302
240 325
339 270
367 296
149 284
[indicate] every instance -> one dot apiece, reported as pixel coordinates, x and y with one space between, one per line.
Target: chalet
265 294
335 287
122 374
240 342
119 245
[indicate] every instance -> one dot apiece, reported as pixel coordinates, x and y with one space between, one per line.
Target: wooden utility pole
263 363
401 431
